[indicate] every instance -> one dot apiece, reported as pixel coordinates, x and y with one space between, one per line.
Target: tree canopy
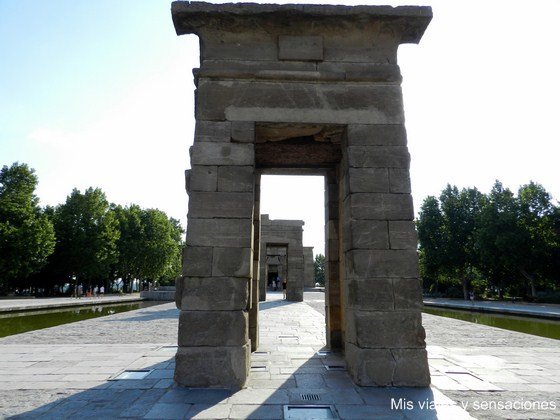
500 241
26 234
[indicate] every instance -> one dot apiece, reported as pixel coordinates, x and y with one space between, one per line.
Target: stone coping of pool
15 305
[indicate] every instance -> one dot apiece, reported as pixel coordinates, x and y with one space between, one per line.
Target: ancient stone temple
301 89
282 256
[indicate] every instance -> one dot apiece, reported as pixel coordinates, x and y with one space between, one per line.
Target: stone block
251 66
236 178
243 131
212 367
223 154
221 204
300 48
378 157
212 131
197 261
370 294
387 73
203 178
365 234
234 262
369 367
365 180
379 206
411 368
376 135
385 329
213 328
299 103
381 263
399 180
402 235
220 232
408 294
213 293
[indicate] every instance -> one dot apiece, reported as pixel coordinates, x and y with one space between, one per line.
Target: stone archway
301 89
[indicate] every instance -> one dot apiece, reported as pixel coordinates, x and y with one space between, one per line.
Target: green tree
537 240
430 238
86 236
26 235
498 237
319 269
149 245
460 211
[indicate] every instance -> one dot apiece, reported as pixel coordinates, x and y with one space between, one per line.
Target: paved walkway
541 310
11 305
68 371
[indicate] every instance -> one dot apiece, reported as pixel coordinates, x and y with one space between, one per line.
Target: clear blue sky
100 93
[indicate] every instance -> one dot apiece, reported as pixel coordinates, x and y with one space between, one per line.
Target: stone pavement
68 371
10 305
541 310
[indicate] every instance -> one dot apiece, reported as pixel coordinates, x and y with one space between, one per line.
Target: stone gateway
301 89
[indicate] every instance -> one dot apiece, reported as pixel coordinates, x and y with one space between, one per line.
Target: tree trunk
465 283
531 282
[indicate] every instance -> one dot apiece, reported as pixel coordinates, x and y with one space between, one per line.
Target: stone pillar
308 267
254 292
218 259
332 263
384 334
263 272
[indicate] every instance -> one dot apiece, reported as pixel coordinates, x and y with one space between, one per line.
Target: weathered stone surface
220 232
236 178
365 234
203 178
213 293
235 262
386 73
389 329
213 328
376 135
370 294
298 103
381 263
259 65
300 48
402 235
212 367
197 261
212 131
223 154
221 204
366 180
408 294
379 206
399 180
411 368
369 367
378 157
243 131
178 291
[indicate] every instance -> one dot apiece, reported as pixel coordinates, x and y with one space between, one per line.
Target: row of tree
490 243
85 240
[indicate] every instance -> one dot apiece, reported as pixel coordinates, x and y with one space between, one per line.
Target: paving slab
65 371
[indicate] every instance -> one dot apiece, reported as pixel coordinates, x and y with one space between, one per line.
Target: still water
535 326
20 322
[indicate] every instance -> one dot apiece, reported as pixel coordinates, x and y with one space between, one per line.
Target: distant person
284 286
102 290
96 291
80 291
471 297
